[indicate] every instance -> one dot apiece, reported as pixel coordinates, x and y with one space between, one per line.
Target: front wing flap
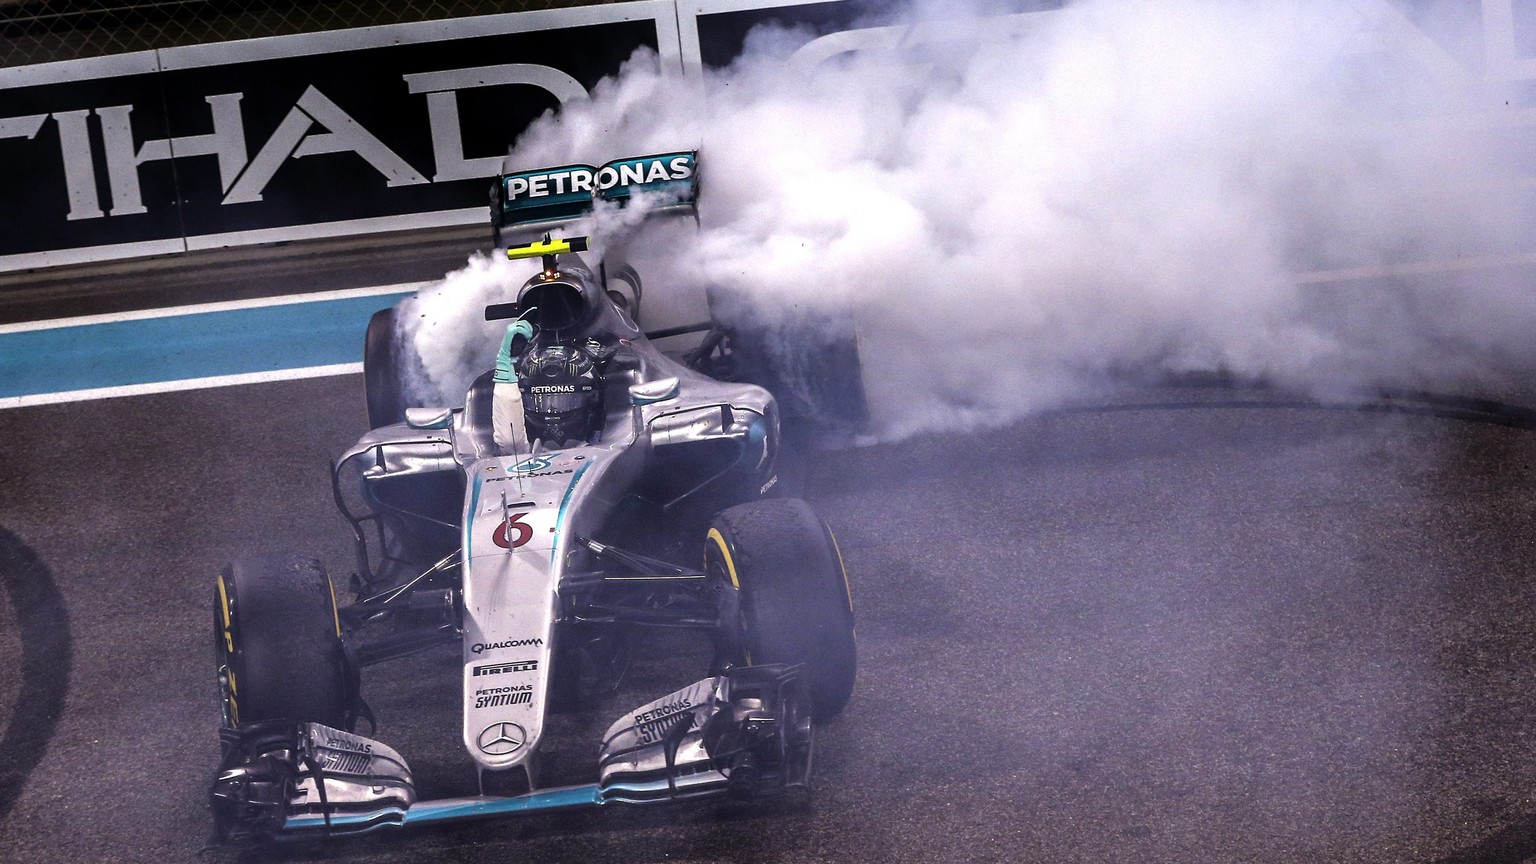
744 732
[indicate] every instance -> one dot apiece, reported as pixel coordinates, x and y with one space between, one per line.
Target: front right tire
784 595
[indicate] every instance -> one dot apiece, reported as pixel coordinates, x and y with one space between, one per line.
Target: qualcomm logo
482 647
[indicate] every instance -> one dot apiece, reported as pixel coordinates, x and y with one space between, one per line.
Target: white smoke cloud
1014 211
444 325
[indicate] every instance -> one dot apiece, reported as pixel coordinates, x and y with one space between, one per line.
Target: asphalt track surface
1188 625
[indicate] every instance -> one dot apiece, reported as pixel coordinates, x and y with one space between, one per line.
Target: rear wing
550 196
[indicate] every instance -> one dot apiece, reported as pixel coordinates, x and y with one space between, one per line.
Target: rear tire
784 595
808 361
383 367
815 376
277 644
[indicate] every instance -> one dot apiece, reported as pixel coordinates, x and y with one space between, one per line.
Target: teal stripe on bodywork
560 517
554 799
469 521
450 809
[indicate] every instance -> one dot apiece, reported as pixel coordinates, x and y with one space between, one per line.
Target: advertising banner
323 134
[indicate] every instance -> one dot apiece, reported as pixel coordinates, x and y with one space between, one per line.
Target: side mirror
651 392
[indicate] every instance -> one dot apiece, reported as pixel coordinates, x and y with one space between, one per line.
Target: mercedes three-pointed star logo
499 739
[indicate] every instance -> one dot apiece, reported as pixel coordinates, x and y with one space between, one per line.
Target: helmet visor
558 402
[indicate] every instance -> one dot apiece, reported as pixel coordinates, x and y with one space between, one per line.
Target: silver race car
589 487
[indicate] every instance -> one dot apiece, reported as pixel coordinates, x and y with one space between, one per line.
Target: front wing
743 732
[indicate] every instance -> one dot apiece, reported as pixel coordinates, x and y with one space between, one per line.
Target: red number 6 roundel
515 523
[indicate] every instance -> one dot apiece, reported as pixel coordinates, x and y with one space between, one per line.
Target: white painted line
372 225
201 308
175 386
88 254
109 66
1443 266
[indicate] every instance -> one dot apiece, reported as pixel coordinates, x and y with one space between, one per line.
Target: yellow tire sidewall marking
229 650
730 569
335 613
229 637
847 589
725 552
841 568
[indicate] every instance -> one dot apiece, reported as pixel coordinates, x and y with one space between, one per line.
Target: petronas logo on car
498 697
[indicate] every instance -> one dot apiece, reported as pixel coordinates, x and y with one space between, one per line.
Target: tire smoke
1018 209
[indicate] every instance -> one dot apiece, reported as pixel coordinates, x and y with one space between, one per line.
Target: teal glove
504 364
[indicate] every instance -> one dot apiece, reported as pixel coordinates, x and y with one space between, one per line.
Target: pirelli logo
499 668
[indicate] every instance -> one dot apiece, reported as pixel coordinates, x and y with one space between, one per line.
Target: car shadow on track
1513 845
43 622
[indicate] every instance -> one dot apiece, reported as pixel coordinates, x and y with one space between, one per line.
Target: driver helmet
562 393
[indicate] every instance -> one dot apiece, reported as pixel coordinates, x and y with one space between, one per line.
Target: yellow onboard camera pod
547 249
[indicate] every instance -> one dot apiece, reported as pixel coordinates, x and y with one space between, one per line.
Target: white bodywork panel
513 545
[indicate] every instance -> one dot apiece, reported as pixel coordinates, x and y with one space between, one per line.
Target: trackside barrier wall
395 127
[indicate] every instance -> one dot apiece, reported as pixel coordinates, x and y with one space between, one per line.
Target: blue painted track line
189 347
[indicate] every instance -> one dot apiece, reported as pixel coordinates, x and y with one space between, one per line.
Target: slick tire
383 371
815 377
785 595
808 360
277 644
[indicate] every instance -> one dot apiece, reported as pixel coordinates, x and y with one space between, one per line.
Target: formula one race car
589 487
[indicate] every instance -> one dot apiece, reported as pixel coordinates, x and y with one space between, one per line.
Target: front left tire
277 644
